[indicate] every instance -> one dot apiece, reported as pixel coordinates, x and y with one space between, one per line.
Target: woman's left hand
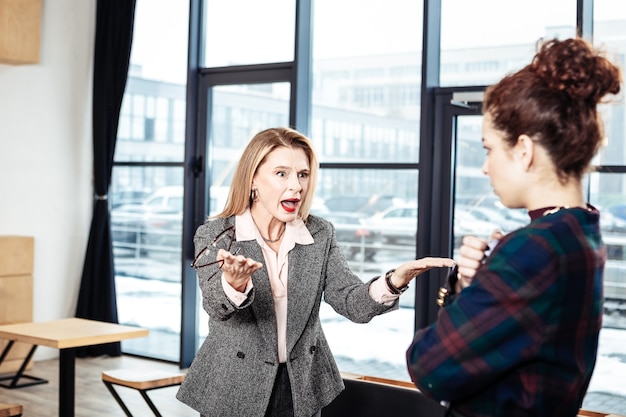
409 270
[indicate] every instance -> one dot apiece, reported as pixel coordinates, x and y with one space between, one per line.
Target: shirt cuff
379 291
235 296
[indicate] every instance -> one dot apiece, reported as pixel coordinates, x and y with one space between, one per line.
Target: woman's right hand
237 269
472 254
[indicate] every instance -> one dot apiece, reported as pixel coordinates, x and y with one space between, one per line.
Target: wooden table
67 335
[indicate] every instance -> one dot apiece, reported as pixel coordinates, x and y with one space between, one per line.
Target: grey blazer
234 370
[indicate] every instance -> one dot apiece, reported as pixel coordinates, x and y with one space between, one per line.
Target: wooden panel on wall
20 31
16 255
16 292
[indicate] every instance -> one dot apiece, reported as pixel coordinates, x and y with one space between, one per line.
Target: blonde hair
254 155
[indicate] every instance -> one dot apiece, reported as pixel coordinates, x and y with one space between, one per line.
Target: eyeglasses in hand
225 238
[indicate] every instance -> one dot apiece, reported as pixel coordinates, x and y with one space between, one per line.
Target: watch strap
394 290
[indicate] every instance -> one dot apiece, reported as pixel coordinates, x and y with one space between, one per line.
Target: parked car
493 215
155 224
610 223
366 205
465 223
170 197
127 196
618 210
397 224
354 236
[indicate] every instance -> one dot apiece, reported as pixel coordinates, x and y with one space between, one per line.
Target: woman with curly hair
518 332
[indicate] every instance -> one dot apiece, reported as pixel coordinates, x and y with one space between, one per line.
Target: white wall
46 186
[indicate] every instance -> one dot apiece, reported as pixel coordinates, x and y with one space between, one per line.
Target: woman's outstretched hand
409 270
237 269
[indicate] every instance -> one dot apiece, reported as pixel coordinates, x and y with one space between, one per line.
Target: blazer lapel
304 289
263 305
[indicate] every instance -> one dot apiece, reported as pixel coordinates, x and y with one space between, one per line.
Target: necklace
278 238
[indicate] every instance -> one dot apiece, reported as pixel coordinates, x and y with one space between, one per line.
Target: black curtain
114 33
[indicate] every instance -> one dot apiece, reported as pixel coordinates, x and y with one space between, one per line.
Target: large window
607 191
483 40
241 32
365 114
146 196
352 75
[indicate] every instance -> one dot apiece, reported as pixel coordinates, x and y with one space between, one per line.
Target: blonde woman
264 265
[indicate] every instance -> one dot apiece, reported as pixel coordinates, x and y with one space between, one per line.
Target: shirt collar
295 230
544 211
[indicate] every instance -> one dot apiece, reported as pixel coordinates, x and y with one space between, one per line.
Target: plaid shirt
521 340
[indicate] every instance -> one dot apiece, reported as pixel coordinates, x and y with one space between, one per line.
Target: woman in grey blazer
266 354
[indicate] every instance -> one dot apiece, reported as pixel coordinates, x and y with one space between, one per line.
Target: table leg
67 367
15 379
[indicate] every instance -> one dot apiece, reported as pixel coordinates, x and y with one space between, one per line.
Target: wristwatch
393 288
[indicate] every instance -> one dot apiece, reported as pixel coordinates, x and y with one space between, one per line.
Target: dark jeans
281 401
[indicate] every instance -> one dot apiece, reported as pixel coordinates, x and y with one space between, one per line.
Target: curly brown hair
554 101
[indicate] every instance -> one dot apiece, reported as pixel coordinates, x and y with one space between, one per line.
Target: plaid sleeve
491 326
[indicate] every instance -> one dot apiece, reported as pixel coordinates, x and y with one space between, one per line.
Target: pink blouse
277 268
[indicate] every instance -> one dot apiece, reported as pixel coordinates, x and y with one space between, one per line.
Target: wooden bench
589 413
10 410
366 396
142 380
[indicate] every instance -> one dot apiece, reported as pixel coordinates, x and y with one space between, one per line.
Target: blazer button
241 355
312 349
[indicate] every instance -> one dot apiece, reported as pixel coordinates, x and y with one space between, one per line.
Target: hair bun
575 68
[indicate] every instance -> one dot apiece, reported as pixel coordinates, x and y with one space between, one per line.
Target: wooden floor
92 397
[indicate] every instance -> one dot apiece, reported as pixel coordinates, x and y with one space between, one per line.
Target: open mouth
290 205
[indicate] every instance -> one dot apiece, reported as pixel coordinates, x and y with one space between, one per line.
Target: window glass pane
146 228
609 29
375 216
240 32
238 113
151 130
366 83
470 56
608 193
159 50
613 151
151 117
146 201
